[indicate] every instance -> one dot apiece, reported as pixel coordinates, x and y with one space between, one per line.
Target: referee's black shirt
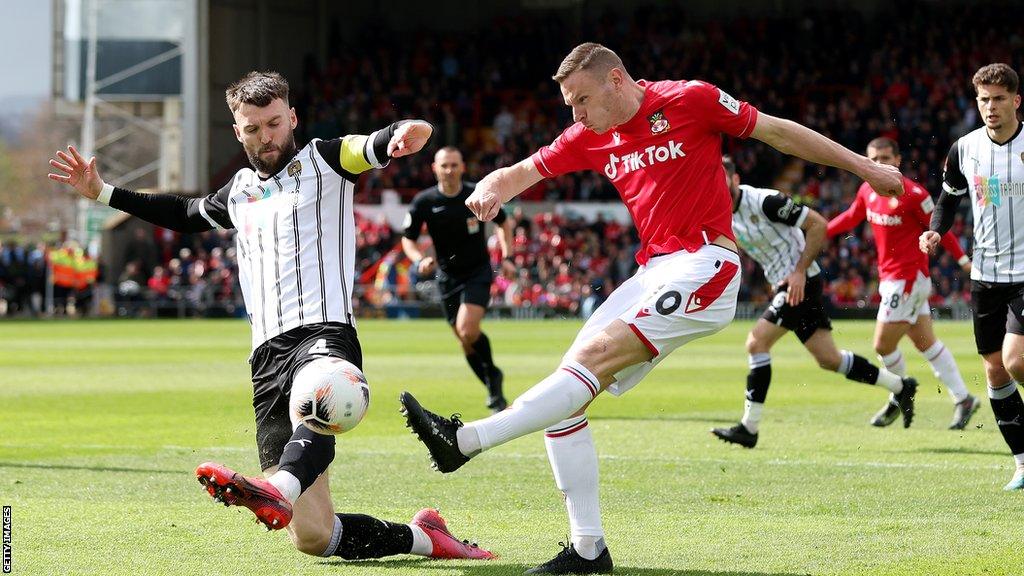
460 239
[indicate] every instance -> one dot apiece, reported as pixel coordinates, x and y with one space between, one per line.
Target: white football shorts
670 301
901 303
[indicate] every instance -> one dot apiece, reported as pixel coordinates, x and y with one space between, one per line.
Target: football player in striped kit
295 236
987 165
785 238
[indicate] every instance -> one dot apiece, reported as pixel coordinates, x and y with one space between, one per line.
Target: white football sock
421 544
287 484
573 458
891 381
752 415
945 369
1019 459
548 402
894 362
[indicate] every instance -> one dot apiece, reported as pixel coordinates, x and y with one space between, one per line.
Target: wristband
105 193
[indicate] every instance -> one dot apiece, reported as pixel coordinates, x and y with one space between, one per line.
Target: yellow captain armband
353 157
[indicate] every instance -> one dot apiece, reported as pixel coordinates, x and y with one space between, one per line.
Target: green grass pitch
102 424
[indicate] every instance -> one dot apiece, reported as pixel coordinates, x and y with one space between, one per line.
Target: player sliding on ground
906 283
660 145
771 228
296 252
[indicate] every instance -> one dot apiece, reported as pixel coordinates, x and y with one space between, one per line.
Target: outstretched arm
849 219
791 138
167 210
501 186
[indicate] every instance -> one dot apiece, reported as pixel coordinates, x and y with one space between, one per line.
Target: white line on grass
539 456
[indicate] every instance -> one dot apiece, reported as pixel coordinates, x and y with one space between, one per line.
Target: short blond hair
589 56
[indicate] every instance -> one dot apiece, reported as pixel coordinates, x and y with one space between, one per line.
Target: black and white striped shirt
994 175
295 236
767 227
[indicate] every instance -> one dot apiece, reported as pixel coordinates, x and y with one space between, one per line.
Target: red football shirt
665 161
897 223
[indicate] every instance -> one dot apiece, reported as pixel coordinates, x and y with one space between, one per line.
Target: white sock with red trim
945 369
550 401
894 363
573 460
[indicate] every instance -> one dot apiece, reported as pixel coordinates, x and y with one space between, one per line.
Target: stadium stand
850 76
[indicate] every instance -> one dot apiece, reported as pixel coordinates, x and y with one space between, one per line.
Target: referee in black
464 274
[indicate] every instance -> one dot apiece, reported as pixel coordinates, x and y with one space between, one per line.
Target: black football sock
477 364
759 377
365 537
1008 408
858 368
482 347
306 455
758 380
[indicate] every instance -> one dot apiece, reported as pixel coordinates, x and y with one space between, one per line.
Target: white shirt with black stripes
993 175
767 227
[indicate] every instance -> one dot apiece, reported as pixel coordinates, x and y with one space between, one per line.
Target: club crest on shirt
658 122
893 202
295 168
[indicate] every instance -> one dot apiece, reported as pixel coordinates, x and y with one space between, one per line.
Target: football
329 396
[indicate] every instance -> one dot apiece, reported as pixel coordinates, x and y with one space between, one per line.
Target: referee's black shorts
274 365
997 308
805 318
472 287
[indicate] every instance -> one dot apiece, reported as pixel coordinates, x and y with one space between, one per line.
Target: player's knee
1014 364
468 333
881 349
591 353
754 345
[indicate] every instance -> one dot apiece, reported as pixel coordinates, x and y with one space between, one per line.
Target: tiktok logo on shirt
649 156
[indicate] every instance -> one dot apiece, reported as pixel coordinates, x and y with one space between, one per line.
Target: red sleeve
952 245
563 155
722 112
848 220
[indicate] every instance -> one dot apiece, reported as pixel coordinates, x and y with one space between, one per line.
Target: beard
284 155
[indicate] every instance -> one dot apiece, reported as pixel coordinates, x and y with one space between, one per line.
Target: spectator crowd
848 74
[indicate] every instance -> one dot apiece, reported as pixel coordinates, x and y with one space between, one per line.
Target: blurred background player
464 274
989 163
905 282
660 144
785 238
295 241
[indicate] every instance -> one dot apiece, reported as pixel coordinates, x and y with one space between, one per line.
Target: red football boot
256 494
446 545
